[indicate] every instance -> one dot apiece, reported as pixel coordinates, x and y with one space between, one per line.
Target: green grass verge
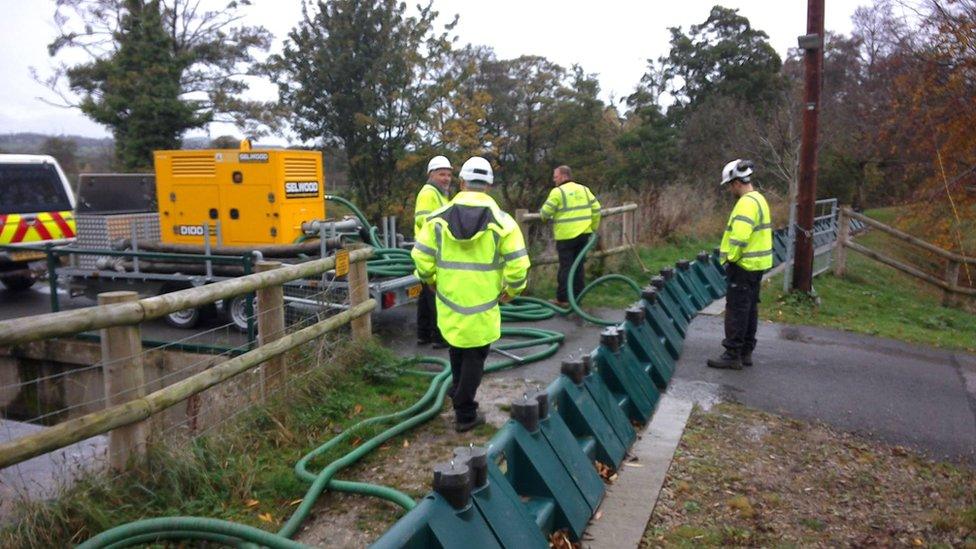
616 295
244 472
877 300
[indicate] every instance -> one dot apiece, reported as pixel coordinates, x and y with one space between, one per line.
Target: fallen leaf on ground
251 503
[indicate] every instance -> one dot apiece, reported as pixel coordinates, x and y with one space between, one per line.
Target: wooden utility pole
813 45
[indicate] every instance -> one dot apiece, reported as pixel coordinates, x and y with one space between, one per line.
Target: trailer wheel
236 313
17 283
185 319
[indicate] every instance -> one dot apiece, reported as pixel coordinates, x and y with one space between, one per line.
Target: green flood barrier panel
697 293
608 404
670 306
586 420
498 503
641 341
434 523
677 293
716 273
508 517
660 323
638 370
703 269
564 444
533 470
623 382
716 259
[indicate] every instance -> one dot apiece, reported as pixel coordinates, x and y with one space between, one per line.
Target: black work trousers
427 315
467 369
741 309
568 250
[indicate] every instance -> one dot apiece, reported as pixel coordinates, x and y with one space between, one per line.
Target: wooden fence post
362 327
627 229
520 221
952 279
124 380
271 326
840 248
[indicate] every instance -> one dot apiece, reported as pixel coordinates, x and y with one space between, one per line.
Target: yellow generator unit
258 196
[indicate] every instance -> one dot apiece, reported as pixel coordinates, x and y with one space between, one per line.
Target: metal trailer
113 207
311 296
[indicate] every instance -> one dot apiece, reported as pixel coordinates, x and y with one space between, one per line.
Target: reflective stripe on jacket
429 200
748 239
473 251
573 210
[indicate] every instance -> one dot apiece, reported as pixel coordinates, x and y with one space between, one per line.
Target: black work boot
728 361
462 426
746 358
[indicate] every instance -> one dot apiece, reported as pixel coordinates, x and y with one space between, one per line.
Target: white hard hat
737 169
477 169
437 163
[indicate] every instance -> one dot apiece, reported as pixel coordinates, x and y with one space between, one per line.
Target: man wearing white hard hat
473 255
747 251
433 196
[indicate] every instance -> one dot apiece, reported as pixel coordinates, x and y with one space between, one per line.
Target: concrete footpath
630 500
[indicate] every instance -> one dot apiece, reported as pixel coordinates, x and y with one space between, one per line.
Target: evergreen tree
158 68
136 92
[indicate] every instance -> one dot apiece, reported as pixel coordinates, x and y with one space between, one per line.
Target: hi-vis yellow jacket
473 251
748 239
573 210
429 200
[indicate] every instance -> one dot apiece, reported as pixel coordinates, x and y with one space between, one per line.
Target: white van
36 207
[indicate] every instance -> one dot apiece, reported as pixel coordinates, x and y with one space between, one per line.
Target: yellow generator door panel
186 210
248 216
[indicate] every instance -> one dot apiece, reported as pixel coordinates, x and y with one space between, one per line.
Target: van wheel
17 283
185 319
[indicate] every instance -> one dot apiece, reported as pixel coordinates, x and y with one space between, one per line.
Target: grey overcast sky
613 38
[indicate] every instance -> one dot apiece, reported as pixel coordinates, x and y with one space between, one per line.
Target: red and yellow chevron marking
16 228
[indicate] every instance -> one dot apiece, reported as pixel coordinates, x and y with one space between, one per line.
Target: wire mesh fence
45 383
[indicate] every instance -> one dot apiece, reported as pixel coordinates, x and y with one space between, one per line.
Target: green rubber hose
425 408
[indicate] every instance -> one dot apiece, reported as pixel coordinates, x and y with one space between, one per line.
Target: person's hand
504 297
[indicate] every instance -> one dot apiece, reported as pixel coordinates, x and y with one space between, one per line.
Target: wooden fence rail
949 284
628 230
67 323
119 316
